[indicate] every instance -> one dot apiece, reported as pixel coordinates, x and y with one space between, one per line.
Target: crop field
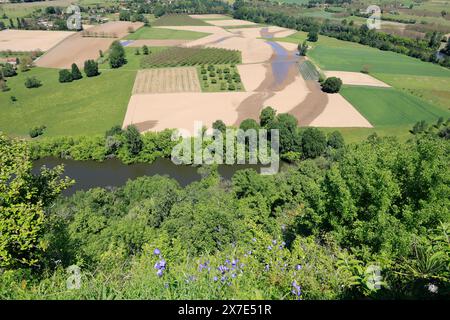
179 20
165 34
178 56
215 78
388 106
308 71
167 80
83 107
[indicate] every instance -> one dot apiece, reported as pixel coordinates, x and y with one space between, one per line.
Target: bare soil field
180 110
77 49
356 78
31 40
229 22
167 80
339 113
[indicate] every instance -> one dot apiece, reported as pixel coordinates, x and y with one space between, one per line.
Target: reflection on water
113 173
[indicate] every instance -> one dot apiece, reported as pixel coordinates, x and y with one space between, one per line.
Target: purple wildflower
298 267
159 273
156 252
269 248
215 279
297 290
267 267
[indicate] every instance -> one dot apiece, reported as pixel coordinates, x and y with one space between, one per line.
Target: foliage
8 70
76 73
23 199
332 85
37 131
65 76
91 68
32 82
116 55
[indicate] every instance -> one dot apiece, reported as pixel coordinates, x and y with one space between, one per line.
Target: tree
117 55
8 70
335 140
289 138
248 124
32 82
313 36
24 197
91 68
219 125
303 48
133 140
76 73
65 76
267 117
26 63
332 85
145 50
124 15
314 143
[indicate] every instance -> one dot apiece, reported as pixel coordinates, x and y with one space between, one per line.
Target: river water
113 173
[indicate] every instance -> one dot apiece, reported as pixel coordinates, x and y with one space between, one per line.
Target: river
113 173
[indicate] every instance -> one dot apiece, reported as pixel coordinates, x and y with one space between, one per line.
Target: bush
231 87
76 73
65 76
145 50
37 131
91 68
8 70
313 36
32 82
332 85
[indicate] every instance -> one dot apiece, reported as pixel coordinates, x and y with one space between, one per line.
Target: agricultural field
179 20
178 56
388 106
167 80
215 78
83 107
165 34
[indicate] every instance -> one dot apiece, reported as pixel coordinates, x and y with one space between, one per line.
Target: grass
333 54
216 74
165 34
177 56
389 107
179 20
84 107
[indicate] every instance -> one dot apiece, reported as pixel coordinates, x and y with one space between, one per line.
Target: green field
332 54
83 107
165 34
389 106
179 20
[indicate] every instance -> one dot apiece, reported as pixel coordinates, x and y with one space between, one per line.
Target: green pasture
82 107
165 34
389 106
179 20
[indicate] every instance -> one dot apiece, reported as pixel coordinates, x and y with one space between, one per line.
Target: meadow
389 106
165 34
82 107
179 20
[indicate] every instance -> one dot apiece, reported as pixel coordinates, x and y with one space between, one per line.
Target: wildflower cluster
160 265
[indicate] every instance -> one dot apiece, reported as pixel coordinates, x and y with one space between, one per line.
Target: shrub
13 98
8 70
213 81
37 131
65 76
91 68
32 82
145 50
332 85
231 87
76 73
313 36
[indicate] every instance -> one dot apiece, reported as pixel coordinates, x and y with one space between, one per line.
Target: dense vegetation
311 231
